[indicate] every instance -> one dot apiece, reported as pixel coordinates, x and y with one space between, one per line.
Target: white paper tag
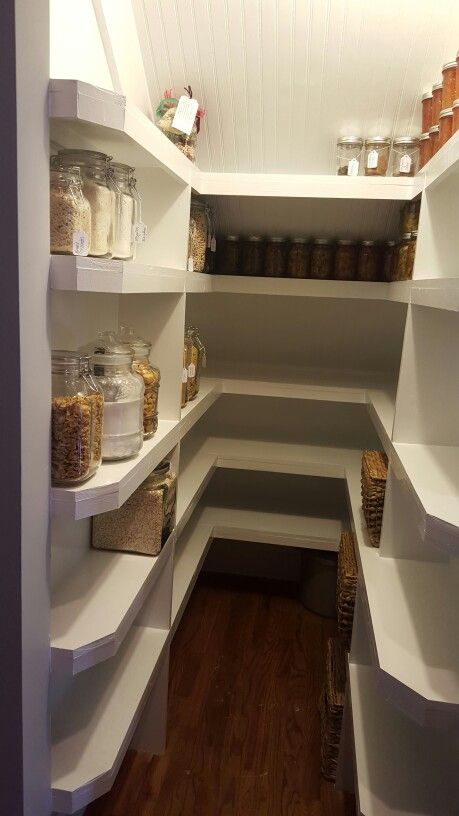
184 375
213 244
191 371
353 168
185 114
405 164
140 232
372 160
80 243
190 264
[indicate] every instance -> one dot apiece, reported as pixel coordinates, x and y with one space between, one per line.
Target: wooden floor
244 730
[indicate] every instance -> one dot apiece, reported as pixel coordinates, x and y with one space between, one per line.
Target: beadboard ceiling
280 79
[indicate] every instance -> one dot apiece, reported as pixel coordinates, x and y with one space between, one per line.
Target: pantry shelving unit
325 369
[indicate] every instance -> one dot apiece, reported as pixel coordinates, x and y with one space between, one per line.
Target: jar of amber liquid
275 258
455 115
436 102
252 256
368 261
345 260
411 255
388 256
377 156
434 138
298 258
426 101
321 258
449 84
446 126
402 258
424 149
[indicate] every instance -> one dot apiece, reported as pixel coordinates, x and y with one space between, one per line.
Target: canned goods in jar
436 102
446 126
348 155
345 260
377 156
368 261
426 101
449 84
275 257
424 149
298 258
321 258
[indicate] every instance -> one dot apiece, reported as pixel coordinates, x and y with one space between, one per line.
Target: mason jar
377 152
69 213
125 211
275 257
252 256
426 101
123 391
448 94
345 260
388 255
446 126
368 261
298 258
231 255
424 149
348 155
437 93
321 259
405 156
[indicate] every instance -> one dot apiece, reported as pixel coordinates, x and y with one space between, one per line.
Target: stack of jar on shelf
202 242
377 155
440 111
95 208
194 360
104 404
319 258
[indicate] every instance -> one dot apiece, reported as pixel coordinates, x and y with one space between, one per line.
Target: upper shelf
445 162
82 274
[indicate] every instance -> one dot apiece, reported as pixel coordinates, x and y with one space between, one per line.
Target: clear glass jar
72 422
275 257
405 156
150 374
69 213
186 357
448 94
140 229
298 258
410 256
231 255
409 216
426 101
388 254
345 260
123 392
348 155
402 257
434 139
456 115
424 149
446 126
321 259
252 256
98 190
125 211
97 399
368 261
436 102
377 152
199 232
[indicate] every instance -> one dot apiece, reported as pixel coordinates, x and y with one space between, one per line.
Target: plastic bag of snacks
186 108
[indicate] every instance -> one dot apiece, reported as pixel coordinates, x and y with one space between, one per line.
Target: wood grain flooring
244 731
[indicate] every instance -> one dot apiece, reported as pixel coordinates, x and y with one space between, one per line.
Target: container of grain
69 213
125 211
199 233
98 190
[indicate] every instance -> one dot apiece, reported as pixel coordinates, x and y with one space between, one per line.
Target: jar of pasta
252 256
424 149
275 257
322 258
348 155
231 255
298 258
405 156
377 152
426 101
388 255
446 126
434 139
437 90
345 260
368 261
448 94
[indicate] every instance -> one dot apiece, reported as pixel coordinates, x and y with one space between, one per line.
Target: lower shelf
96 719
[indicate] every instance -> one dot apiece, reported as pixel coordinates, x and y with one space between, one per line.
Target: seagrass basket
332 704
373 482
346 587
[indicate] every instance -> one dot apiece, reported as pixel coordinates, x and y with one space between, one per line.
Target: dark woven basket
332 704
373 482
346 587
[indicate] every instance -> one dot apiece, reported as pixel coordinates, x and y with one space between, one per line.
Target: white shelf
354 290
442 165
96 719
93 610
79 274
436 293
209 391
190 552
395 758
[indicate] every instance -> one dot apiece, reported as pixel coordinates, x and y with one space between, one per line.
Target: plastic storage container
377 152
124 246
345 260
446 126
436 102
348 155
424 149
123 392
231 256
275 257
298 258
426 101
405 156
321 259
449 84
368 261
69 213
252 256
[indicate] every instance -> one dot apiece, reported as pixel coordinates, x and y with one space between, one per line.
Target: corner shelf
442 165
82 274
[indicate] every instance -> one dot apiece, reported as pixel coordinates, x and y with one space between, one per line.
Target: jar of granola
405 156
368 261
437 90
345 260
298 258
426 101
434 139
424 149
275 257
446 126
348 155
448 94
377 152
252 256
321 258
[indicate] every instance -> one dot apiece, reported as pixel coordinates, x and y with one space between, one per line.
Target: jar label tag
184 375
353 168
372 160
185 114
405 164
80 242
213 244
190 264
191 371
140 232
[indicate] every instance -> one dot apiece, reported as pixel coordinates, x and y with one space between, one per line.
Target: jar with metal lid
252 256
437 90
446 126
98 190
186 358
410 256
298 258
275 257
448 94
345 260
405 156
388 255
426 102
456 115
199 232
424 149
145 521
97 399
73 428
123 392
322 258
434 139
409 216
192 362
69 213
348 155
150 374
368 261
402 257
231 255
377 152
125 211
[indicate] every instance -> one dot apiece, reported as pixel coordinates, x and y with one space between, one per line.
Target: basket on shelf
373 481
332 704
346 587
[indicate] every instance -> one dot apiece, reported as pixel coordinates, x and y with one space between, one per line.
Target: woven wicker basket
332 704
373 481
346 587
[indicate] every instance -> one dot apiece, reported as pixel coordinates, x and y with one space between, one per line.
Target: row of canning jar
403 160
440 111
194 360
104 404
95 208
321 258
